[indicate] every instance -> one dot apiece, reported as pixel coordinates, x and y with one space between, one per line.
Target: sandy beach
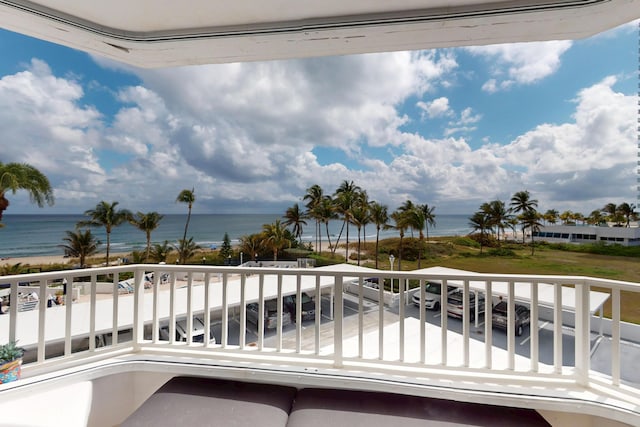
49 259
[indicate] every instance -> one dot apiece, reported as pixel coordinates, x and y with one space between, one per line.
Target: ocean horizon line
43 234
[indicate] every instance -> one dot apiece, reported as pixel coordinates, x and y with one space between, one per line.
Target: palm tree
108 216
359 217
294 217
314 196
551 216
146 222
408 208
429 217
402 223
627 211
596 218
380 217
324 212
80 244
530 220
188 197
610 209
417 220
521 202
480 221
345 198
186 249
275 237
566 217
21 176
160 251
252 244
498 215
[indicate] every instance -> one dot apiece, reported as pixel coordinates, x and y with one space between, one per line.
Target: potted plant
10 362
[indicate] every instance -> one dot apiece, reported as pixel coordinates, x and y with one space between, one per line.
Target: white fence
97 323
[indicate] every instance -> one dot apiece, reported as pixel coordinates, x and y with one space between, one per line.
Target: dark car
499 317
455 304
270 314
308 306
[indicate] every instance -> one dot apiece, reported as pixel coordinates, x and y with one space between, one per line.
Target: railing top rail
337 270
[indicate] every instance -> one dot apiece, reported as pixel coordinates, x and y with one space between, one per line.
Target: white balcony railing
102 316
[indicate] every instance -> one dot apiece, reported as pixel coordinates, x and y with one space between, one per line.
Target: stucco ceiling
161 33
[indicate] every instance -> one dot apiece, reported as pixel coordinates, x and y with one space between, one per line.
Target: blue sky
450 127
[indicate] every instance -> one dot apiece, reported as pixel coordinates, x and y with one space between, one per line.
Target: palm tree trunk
108 245
186 226
346 254
148 246
400 252
358 246
421 247
377 241
328 237
338 240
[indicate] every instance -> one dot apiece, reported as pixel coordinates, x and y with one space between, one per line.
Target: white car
197 334
432 295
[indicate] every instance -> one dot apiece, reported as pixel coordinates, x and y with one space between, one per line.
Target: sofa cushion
344 408
191 401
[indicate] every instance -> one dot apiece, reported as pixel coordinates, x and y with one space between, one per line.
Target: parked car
499 317
197 331
308 306
270 314
455 303
432 295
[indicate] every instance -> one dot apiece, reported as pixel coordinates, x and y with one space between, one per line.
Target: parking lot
601 346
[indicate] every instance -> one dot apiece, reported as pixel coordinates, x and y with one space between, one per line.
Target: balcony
123 342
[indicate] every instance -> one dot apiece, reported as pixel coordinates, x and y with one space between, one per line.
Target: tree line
495 217
350 204
81 243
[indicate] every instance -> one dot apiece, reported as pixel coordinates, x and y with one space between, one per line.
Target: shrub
504 252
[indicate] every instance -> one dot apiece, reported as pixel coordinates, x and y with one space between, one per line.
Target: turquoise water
31 235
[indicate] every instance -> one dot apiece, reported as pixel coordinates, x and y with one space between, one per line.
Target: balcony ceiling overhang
160 33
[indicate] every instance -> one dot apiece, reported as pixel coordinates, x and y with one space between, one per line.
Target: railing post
339 313
511 325
114 309
67 282
243 311
401 310
534 336
138 308
189 319
423 323
225 311
318 315
444 318
465 323
557 328
615 336
583 329
13 310
92 319
381 316
488 328
42 314
207 309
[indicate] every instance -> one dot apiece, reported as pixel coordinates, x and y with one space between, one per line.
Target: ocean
35 235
